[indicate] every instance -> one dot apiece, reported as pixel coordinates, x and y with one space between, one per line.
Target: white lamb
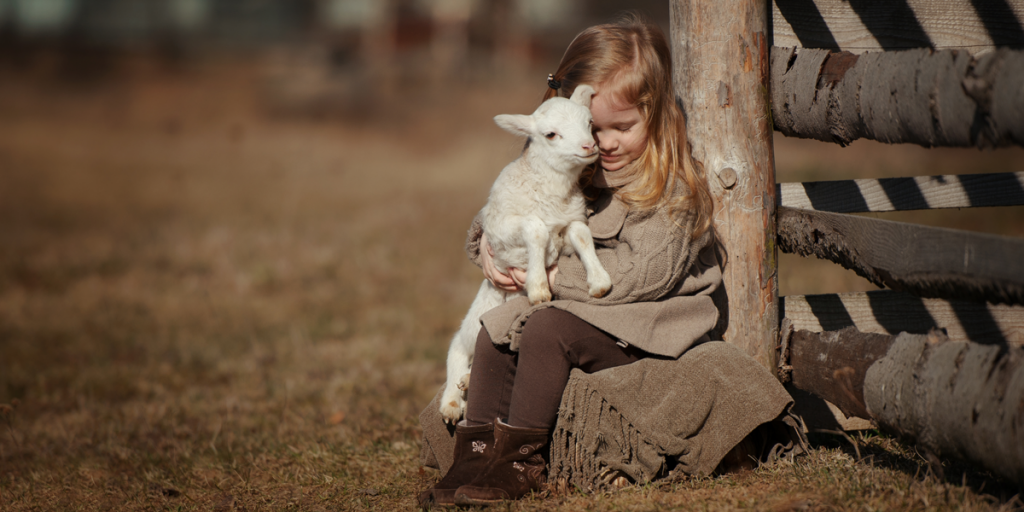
535 212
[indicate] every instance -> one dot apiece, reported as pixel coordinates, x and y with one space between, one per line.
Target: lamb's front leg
583 243
461 351
535 233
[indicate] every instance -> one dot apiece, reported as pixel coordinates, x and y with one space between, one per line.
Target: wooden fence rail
865 25
897 194
925 261
892 312
954 398
925 97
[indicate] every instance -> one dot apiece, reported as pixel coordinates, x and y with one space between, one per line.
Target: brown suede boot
473 446
515 469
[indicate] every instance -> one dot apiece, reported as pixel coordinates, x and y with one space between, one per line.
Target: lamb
535 212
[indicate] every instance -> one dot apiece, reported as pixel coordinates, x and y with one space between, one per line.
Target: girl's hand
515 278
519 276
499 279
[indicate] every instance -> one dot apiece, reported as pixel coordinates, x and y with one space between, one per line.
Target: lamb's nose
589 147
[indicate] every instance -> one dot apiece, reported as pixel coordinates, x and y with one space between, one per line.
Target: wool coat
662 280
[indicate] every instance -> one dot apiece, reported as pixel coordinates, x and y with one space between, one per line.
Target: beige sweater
661 281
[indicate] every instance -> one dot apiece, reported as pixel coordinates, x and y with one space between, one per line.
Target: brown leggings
526 386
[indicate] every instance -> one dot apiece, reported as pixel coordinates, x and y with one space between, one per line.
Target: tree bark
720 57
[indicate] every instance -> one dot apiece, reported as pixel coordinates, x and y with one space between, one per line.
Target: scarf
616 179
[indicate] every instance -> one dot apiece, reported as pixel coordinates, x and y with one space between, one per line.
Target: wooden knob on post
727 177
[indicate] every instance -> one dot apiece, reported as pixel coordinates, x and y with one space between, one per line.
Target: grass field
207 307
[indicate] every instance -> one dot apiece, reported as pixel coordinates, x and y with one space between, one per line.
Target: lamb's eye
551 135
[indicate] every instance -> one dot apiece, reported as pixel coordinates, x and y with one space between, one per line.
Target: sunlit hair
631 57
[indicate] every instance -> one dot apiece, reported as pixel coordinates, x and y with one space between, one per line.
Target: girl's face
618 127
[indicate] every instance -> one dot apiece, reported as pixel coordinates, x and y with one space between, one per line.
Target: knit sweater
662 279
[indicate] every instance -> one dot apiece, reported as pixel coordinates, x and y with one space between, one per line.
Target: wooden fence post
720 57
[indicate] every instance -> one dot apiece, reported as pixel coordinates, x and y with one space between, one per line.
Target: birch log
720 59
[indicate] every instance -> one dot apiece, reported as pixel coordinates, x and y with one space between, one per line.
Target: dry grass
203 307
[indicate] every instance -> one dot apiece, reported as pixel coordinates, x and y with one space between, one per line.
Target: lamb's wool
652 416
536 211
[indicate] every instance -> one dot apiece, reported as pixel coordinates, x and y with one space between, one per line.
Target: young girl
650 217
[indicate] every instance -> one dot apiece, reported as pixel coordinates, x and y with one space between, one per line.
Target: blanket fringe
592 444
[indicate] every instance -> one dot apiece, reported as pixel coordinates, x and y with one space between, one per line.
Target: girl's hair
633 56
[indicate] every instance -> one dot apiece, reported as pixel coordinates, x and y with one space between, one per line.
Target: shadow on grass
878 449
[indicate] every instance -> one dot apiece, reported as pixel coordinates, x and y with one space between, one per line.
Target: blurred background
322 57
231 235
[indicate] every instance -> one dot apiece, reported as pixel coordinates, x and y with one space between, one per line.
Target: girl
651 221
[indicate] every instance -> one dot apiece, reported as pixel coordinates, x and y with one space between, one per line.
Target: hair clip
552 83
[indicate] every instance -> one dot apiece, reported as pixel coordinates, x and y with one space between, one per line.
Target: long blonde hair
633 55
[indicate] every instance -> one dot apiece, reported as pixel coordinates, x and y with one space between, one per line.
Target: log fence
936 357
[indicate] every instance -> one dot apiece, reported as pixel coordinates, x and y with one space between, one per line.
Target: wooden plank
925 261
898 194
925 97
720 58
832 365
878 25
890 312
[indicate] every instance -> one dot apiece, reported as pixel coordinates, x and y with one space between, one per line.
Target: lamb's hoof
600 285
599 291
464 382
452 410
539 297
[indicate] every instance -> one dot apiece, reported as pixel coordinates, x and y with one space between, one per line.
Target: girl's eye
551 135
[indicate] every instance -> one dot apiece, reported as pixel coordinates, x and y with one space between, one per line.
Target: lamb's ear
516 124
582 95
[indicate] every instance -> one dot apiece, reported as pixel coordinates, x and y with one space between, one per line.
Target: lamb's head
559 130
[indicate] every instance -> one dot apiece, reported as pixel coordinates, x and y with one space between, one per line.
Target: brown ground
206 306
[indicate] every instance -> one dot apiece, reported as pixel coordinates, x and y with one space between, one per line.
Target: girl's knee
547 319
482 337
544 329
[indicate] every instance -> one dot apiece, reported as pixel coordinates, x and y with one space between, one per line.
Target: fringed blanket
645 419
